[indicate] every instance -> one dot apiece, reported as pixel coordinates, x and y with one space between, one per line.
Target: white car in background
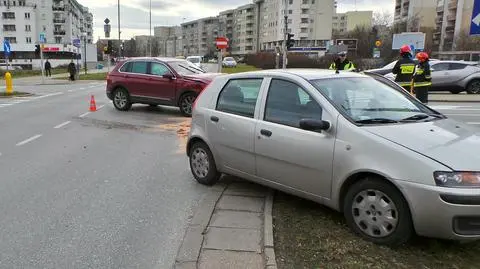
229 62
196 60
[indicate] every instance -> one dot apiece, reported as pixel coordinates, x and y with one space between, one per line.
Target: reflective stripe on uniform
404 83
407 69
422 84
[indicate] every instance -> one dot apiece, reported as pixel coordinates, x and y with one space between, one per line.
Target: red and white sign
51 49
221 42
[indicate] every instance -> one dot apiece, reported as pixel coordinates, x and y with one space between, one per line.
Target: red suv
156 81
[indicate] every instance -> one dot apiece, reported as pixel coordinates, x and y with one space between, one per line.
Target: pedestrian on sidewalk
72 70
422 80
48 69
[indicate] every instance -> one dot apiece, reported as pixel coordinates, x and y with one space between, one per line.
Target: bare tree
384 18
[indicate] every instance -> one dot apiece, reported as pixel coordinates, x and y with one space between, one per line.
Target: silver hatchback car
359 144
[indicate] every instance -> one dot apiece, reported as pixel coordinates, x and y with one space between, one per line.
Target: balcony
450 28
58 7
59 32
451 17
440 9
59 20
439 20
452 5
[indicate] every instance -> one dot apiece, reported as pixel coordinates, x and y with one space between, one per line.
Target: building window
8 15
290 11
304 11
28 40
304 20
9 27
313 2
305 2
58 39
11 40
290 2
44 28
21 3
289 21
28 28
27 15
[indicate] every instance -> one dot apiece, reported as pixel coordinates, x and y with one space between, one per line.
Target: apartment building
309 20
169 39
60 21
199 36
240 26
453 19
416 13
346 22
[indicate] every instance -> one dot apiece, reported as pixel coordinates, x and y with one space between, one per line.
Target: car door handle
214 118
266 132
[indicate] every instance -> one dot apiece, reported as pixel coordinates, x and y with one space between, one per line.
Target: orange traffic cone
93 106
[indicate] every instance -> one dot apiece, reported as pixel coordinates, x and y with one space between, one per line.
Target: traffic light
109 47
37 49
290 40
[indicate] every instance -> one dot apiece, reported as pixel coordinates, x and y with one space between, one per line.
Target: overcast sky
135 17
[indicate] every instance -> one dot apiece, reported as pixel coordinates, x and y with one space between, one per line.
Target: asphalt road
465 112
105 189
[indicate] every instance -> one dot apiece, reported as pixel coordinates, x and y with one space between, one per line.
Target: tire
398 232
121 99
186 103
473 87
455 91
152 105
199 154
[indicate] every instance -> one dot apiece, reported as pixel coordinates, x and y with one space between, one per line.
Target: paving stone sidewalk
231 229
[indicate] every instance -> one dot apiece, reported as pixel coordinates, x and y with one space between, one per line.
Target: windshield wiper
376 120
418 117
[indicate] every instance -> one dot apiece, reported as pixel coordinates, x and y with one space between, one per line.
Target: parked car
229 62
196 60
453 76
359 144
156 81
389 67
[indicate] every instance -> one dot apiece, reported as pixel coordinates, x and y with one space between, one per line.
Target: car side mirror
314 125
169 76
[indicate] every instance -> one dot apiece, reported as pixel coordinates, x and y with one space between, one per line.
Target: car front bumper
447 213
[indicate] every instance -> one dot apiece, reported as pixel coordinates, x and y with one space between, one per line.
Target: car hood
205 77
447 141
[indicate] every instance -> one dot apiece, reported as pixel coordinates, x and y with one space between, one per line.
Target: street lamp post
85 51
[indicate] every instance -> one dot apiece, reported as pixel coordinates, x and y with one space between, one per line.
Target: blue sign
42 38
76 42
475 22
6 47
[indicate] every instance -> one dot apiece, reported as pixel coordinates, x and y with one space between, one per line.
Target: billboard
350 43
415 39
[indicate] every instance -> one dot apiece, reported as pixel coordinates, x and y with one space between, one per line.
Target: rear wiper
376 120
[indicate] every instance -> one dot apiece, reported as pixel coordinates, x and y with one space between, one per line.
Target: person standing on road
404 68
422 79
48 69
342 63
72 70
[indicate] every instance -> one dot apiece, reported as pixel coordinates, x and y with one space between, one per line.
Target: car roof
162 59
457 62
308 74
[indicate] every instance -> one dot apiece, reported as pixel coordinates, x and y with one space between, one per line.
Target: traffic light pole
285 50
41 64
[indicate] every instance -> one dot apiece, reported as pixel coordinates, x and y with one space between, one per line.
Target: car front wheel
203 165
186 104
377 211
121 99
473 87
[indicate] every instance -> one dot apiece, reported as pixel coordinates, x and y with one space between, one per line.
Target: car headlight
457 179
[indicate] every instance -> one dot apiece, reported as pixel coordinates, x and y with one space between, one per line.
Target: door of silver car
231 125
286 154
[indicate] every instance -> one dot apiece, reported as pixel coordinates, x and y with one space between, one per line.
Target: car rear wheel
121 99
186 104
377 211
455 91
473 87
203 165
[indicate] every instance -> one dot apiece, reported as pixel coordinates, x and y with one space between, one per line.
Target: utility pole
284 64
150 37
119 32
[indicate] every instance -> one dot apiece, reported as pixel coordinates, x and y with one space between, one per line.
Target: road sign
378 43
350 43
6 48
475 23
106 21
221 42
42 38
417 39
376 53
76 42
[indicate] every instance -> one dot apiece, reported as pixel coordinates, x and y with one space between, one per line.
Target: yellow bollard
8 82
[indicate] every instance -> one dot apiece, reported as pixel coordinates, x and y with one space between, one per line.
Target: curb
270 261
453 101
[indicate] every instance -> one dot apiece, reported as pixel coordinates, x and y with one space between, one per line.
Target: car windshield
366 100
229 59
194 60
185 68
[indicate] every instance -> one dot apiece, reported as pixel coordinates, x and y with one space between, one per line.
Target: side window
456 66
158 69
239 97
287 103
440 67
139 67
126 67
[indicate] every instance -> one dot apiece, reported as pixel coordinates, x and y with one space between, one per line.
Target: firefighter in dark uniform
422 79
404 68
342 63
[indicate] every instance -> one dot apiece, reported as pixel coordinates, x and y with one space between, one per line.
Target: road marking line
47 95
29 140
474 123
84 114
70 90
100 107
467 115
61 125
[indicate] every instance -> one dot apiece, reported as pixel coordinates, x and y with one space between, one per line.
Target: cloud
375 5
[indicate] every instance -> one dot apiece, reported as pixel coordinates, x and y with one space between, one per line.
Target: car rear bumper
444 212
